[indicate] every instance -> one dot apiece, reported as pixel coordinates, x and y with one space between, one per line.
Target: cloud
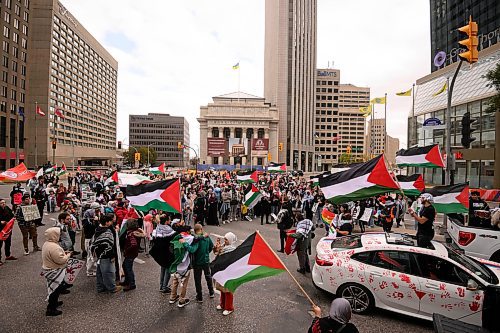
174 56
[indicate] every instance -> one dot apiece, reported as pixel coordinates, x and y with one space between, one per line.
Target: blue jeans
128 269
164 277
105 275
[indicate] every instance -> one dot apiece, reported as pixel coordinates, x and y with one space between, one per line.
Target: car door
390 280
444 290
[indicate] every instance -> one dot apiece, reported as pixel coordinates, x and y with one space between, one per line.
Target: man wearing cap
477 204
425 219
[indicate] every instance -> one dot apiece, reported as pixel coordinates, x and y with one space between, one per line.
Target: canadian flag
59 112
39 111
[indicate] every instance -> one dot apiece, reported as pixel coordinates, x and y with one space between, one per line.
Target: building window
249 133
215 132
260 133
21 132
3 131
260 161
238 133
226 132
12 137
215 160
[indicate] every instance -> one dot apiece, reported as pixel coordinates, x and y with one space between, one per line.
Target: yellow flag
442 89
404 93
366 111
378 100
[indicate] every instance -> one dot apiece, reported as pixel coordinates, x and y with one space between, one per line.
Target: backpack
283 220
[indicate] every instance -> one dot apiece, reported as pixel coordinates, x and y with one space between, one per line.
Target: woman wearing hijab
337 320
226 297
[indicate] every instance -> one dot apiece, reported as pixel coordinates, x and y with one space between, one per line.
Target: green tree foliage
128 156
493 76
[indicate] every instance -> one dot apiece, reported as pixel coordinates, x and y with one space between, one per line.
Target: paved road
269 305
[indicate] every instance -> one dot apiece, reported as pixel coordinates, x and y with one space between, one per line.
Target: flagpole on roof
286 268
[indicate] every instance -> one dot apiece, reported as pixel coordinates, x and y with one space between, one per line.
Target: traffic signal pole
450 166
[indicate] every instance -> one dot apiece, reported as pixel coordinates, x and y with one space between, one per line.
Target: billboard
216 146
238 146
260 147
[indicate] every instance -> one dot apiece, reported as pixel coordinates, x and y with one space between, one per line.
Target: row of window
11 135
327 83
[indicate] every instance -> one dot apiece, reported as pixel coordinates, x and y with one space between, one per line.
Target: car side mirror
472 285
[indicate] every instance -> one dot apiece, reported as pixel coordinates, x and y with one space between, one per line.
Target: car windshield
347 242
474 266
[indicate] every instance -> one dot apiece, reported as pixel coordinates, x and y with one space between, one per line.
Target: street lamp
148 153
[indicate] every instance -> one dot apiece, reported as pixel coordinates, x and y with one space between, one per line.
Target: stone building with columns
238 116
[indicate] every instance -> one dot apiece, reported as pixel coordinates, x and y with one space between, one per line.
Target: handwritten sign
366 215
30 212
72 269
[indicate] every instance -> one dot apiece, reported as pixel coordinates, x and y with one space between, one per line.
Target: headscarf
232 242
340 310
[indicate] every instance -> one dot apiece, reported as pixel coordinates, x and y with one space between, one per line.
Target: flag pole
413 119
36 151
385 124
286 268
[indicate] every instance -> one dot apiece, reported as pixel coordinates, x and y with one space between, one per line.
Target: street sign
432 124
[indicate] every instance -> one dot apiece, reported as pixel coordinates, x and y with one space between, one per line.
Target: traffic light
54 144
471 42
348 149
467 130
119 145
179 145
269 157
137 156
280 146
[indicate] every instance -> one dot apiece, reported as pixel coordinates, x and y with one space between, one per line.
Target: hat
95 205
427 197
175 221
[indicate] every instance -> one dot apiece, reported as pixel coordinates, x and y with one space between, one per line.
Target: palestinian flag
247 176
276 167
62 170
51 169
125 179
451 198
7 230
315 179
290 242
163 195
252 196
359 182
425 157
411 185
252 260
158 170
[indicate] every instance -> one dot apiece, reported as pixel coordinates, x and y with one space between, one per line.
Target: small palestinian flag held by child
425 157
252 260
411 185
290 242
451 198
163 195
276 167
359 182
247 177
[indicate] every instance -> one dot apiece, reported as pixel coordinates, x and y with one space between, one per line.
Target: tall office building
161 132
339 126
69 71
289 75
449 15
14 21
376 141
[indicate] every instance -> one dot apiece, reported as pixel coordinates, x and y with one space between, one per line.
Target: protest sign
30 212
72 269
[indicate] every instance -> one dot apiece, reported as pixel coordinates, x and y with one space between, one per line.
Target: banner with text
216 146
260 147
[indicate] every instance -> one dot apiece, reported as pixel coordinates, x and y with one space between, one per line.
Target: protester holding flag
425 219
54 261
181 265
6 216
161 251
27 227
130 252
16 196
337 321
40 195
220 249
303 236
284 222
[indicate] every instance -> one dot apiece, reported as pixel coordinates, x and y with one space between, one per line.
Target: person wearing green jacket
200 249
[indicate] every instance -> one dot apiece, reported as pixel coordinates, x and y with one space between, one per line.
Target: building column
496 176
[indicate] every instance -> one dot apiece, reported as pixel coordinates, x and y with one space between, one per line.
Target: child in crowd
130 252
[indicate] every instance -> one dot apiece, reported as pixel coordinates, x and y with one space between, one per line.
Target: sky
174 56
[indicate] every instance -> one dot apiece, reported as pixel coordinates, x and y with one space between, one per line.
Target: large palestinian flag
411 185
425 157
252 260
125 179
163 195
159 170
276 167
252 196
359 182
247 176
451 198
315 179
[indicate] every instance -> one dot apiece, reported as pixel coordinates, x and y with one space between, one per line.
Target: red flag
7 230
78 168
228 177
161 168
59 112
39 111
290 243
114 177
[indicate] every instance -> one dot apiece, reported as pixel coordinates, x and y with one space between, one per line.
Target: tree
493 76
129 156
345 159
193 161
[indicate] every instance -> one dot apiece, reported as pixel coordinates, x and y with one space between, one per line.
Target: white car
390 271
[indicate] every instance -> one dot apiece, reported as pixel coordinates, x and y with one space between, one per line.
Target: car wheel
496 257
360 298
